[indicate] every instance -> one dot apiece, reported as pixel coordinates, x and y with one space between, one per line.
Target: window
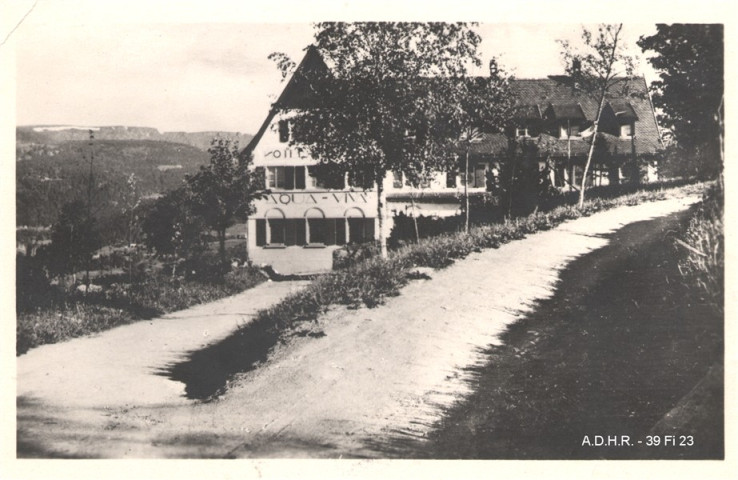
521 132
360 181
396 179
276 231
326 231
567 131
450 179
317 228
294 232
627 130
280 231
300 232
284 131
286 178
361 230
477 176
328 179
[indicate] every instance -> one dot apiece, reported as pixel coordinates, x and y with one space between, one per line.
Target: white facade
299 224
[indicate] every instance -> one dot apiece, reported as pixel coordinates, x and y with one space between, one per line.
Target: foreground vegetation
703 263
52 313
369 282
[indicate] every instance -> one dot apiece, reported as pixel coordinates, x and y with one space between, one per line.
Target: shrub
353 253
32 286
71 320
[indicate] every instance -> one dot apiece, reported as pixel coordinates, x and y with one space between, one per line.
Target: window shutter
284 131
300 178
260 233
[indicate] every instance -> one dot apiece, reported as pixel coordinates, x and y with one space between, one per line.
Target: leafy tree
74 238
171 228
521 183
597 67
224 190
387 87
690 62
482 105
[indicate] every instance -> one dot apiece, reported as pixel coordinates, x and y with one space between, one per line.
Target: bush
403 230
32 285
353 253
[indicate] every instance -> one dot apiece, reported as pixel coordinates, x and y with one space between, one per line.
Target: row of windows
569 131
296 178
565 131
313 231
293 178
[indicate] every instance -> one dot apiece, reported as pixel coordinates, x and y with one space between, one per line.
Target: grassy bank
61 315
703 258
369 282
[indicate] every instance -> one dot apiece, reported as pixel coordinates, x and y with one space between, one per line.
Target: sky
196 68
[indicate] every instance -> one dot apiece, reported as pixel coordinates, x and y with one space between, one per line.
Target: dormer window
521 132
567 131
627 130
284 131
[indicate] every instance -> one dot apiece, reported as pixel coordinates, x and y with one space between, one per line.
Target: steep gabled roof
623 110
567 111
635 105
297 94
527 112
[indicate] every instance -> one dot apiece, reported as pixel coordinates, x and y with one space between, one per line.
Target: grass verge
68 316
703 264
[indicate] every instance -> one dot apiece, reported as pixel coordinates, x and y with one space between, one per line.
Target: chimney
576 67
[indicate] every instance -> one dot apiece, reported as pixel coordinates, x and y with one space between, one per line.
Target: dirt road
376 374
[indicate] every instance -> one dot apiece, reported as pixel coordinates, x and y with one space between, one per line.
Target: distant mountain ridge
56 134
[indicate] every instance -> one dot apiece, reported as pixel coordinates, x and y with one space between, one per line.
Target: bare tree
597 67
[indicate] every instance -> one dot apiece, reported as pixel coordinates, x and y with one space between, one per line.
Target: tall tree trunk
568 153
591 149
511 188
221 247
466 190
380 216
415 217
603 93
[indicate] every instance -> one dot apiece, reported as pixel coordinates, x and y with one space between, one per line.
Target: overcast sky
78 63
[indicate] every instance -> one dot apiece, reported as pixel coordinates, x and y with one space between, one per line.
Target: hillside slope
51 175
53 166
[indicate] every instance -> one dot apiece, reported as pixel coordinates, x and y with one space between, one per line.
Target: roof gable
299 91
